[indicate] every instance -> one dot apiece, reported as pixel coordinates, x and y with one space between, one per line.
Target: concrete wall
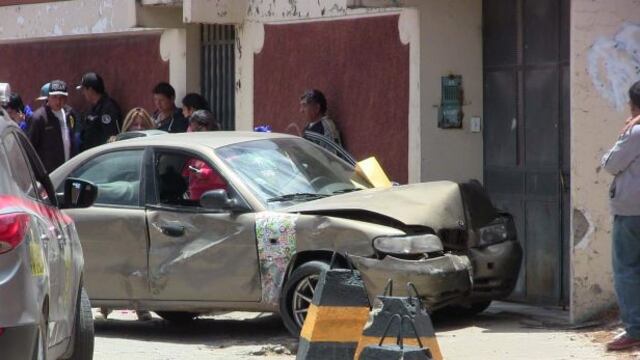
605 60
450 43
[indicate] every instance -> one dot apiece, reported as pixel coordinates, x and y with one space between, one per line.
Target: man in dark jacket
167 116
51 131
104 119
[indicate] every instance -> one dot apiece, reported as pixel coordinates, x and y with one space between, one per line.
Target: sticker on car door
276 236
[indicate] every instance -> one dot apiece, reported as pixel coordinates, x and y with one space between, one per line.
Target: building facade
540 85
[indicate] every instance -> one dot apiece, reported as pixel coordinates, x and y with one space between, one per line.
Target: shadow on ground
258 329
503 317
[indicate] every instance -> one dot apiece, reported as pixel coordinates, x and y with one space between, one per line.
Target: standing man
50 131
623 161
104 119
167 116
313 106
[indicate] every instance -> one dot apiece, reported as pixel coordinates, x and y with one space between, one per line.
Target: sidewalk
513 331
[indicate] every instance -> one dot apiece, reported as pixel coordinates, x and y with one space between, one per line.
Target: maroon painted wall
360 65
129 64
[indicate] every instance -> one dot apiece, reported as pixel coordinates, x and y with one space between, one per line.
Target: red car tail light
12 230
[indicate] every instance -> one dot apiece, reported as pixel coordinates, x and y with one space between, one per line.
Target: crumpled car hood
437 204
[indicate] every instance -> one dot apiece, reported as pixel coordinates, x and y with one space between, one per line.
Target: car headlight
493 234
408 245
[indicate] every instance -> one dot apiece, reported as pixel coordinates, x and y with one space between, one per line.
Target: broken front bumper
439 281
495 270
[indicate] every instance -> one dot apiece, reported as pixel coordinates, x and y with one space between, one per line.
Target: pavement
504 331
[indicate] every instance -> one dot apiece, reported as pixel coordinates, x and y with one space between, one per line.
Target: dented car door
197 253
113 230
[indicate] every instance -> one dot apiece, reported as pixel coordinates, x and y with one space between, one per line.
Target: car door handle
174 230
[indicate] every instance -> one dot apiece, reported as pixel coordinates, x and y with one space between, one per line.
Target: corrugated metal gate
218 72
526 135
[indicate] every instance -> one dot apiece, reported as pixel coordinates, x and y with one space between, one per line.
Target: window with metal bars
218 72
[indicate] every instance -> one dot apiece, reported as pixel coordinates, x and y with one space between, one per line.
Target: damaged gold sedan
187 224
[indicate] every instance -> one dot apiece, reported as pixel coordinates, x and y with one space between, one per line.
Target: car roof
211 139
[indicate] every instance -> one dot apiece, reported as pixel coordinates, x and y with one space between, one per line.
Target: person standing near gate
623 162
104 119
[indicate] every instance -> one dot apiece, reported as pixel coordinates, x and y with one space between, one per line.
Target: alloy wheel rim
302 297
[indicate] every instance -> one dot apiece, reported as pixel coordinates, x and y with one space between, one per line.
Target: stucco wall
605 60
450 43
76 17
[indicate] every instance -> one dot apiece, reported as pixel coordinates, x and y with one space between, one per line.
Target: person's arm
623 153
111 119
35 130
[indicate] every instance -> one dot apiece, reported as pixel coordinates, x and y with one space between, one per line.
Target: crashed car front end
418 259
454 245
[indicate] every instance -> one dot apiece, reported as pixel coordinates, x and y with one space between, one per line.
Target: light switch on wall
475 124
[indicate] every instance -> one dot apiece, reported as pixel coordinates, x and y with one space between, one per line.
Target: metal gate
218 72
526 135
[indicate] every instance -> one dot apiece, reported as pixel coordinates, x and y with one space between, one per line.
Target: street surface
505 331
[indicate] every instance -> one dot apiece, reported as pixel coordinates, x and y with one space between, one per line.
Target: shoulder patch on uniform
106 119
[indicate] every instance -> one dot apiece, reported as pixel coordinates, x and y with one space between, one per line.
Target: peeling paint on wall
614 64
295 8
583 229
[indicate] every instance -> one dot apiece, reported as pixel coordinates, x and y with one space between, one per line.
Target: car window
330 145
117 175
18 165
181 179
6 181
277 168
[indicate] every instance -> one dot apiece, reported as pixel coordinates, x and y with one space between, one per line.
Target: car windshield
285 171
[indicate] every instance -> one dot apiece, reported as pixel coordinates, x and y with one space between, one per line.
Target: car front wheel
83 336
297 294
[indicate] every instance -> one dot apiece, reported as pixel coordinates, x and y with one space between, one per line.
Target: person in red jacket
202 177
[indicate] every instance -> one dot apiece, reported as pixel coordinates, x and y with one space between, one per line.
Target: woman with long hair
136 119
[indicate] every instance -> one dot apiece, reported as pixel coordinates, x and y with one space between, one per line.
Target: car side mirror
219 200
78 194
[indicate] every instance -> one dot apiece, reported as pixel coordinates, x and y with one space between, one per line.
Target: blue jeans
626 271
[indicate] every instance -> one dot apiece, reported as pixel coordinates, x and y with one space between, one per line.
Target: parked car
44 310
257 237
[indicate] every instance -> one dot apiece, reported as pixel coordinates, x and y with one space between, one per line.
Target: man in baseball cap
103 121
50 131
44 92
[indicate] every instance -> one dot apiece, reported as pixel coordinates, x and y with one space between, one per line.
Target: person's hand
630 123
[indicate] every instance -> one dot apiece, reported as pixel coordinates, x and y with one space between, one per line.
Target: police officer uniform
104 119
102 122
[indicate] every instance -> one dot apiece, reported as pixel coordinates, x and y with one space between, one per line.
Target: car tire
297 294
84 332
178 317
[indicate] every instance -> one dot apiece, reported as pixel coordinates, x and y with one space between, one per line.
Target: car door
113 231
197 254
25 172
